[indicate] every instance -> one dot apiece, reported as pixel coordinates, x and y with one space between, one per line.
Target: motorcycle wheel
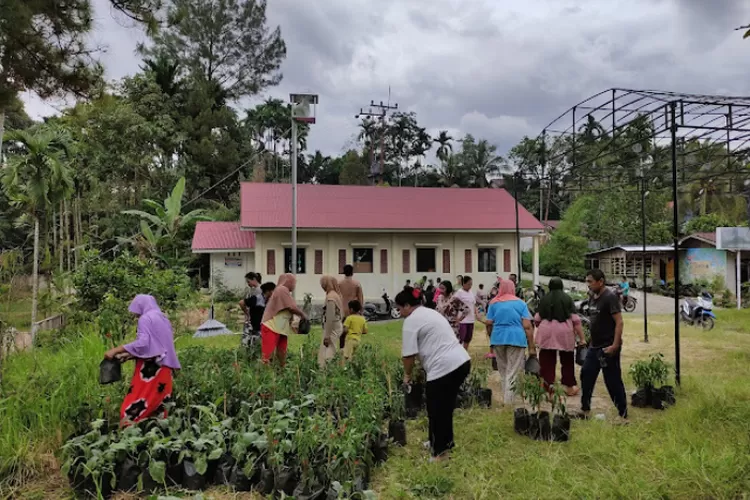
707 323
629 305
395 314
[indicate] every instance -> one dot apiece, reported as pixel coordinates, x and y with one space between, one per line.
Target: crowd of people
438 329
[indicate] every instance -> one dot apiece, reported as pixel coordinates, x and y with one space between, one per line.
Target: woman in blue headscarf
154 352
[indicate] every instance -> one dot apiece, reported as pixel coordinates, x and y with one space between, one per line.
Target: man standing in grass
606 343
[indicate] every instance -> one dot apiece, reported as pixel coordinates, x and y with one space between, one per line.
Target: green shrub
125 277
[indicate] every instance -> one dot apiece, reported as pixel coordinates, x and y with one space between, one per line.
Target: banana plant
160 230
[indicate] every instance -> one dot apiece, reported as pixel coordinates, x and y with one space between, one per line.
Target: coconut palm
445 147
36 179
481 161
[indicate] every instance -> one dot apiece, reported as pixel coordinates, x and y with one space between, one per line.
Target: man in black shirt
606 342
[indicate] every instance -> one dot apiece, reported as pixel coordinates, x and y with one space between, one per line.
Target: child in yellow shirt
355 325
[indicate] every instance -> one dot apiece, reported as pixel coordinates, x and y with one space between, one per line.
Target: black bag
560 428
191 480
532 366
484 398
304 327
397 432
641 398
581 352
521 421
109 371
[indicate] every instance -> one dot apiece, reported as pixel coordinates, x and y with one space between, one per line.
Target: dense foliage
302 428
123 278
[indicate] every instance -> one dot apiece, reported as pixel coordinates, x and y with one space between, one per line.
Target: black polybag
110 371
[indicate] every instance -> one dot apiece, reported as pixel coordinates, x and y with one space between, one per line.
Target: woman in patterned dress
155 359
452 308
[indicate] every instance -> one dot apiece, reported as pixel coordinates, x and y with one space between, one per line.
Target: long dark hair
448 287
409 296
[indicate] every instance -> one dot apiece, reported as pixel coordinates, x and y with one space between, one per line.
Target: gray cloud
484 67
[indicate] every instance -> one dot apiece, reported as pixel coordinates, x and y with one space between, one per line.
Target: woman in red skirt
277 320
155 360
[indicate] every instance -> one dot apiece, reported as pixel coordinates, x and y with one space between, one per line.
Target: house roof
269 206
635 249
709 238
212 236
552 224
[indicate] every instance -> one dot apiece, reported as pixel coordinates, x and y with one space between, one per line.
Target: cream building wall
388 253
230 268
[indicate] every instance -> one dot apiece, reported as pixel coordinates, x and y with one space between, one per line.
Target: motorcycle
375 312
534 297
699 311
629 303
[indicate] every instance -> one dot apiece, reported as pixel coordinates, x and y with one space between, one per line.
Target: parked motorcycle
534 297
376 312
629 303
699 311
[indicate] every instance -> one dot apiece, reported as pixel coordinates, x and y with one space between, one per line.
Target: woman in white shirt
428 335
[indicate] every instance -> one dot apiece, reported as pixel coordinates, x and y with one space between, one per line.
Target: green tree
707 223
222 41
445 147
565 252
481 160
353 169
35 180
43 50
160 230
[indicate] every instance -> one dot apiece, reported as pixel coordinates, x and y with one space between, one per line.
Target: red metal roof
269 206
221 236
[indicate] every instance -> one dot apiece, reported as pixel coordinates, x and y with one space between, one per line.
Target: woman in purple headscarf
153 350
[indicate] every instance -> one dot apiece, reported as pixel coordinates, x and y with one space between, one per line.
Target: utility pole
303 110
381 111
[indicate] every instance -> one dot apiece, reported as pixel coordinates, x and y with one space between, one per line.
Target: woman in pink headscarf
155 359
512 333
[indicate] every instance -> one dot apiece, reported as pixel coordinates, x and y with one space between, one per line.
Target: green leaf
201 464
215 454
145 215
747 34
158 471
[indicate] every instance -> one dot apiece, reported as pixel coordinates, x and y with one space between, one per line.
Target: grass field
698 449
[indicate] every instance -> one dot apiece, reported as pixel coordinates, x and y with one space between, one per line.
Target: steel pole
643 255
676 231
294 197
518 231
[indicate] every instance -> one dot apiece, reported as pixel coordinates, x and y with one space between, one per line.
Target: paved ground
656 304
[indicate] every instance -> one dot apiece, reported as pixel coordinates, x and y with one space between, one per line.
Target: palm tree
451 172
165 73
160 230
36 179
445 147
481 161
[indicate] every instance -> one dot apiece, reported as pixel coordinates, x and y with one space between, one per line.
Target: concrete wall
394 244
224 269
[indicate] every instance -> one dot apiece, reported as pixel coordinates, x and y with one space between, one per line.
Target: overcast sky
497 69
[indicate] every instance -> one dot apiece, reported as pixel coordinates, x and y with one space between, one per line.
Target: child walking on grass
355 325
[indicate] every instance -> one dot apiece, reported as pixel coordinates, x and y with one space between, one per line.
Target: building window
300 260
467 260
446 261
405 261
487 260
426 260
342 260
271 262
384 261
363 260
318 261
506 261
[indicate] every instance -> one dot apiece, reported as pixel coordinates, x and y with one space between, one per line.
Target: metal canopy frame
674 118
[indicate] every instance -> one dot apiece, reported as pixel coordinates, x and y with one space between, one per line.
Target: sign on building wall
703 264
232 261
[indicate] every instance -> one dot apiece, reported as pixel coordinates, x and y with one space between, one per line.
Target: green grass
16 312
698 449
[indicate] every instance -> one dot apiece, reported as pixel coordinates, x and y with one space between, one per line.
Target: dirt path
600 403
